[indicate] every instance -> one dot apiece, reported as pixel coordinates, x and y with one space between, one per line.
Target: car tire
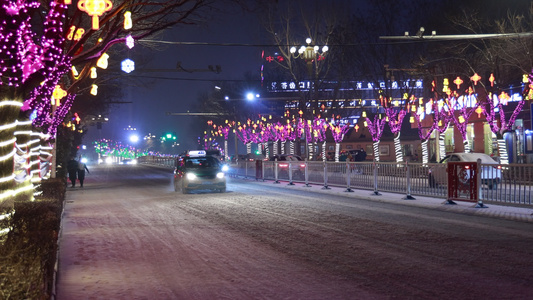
185 191
223 190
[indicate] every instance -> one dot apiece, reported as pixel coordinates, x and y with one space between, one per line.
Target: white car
491 173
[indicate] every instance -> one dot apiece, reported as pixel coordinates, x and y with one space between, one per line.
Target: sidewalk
491 209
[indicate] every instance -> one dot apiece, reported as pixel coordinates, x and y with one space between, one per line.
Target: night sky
178 91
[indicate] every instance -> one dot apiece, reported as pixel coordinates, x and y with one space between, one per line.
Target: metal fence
511 183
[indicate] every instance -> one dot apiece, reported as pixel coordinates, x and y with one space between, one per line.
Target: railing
511 183
500 183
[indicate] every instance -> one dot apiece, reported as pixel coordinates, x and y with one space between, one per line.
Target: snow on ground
128 235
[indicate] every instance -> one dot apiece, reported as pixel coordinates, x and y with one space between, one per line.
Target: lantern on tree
95 8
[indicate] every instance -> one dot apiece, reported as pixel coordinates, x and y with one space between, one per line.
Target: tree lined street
128 235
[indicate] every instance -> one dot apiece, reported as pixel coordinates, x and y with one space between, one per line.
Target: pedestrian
72 169
81 172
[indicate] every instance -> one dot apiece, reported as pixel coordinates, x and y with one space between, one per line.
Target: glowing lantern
479 111
492 79
95 8
58 94
75 72
440 123
356 128
411 119
458 81
94 90
70 34
525 78
504 98
102 61
79 33
93 73
127 20
461 119
475 78
365 123
364 115
77 118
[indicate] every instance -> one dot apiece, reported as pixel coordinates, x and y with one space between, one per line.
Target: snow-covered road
128 235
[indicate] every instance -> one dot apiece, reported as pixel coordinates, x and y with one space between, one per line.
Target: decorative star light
130 42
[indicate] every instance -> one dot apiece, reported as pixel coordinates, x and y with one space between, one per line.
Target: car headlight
191 176
225 168
220 175
134 162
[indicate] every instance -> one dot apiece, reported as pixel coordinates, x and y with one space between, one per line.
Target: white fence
502 183
511 183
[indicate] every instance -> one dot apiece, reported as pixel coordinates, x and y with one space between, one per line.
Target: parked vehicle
491 173
297 165
198 171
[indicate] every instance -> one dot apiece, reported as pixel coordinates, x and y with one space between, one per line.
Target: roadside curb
507 212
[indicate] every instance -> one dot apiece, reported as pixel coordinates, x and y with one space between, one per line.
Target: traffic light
169 136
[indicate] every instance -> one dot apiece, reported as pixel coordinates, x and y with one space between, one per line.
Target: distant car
198 171
297 164
128 161
254 157
491 173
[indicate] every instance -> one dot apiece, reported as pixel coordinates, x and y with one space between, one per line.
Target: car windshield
201 162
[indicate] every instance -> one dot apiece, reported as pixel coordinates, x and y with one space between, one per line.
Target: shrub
28 252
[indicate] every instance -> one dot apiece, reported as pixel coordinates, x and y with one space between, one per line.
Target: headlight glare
220 175
191 176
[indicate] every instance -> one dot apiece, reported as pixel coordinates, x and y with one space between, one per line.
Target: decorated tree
338 131
493 105
394 118
376 127
52 51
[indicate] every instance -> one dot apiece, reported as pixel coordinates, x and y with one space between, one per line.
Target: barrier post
408 177
306 174
325 187
479 189
276 171
375 193
348 173
290 174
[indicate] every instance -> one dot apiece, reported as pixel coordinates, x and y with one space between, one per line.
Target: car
254 157
491 173
128 161
297 165
198 171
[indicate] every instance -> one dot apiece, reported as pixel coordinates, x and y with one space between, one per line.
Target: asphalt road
128 235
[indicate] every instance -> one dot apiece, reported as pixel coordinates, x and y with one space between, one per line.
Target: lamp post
311 54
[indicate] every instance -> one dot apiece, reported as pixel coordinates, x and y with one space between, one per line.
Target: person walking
81 172
72 169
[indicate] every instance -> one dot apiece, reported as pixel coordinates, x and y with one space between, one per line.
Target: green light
169 135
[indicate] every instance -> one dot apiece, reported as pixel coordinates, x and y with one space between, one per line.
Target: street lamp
309 53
